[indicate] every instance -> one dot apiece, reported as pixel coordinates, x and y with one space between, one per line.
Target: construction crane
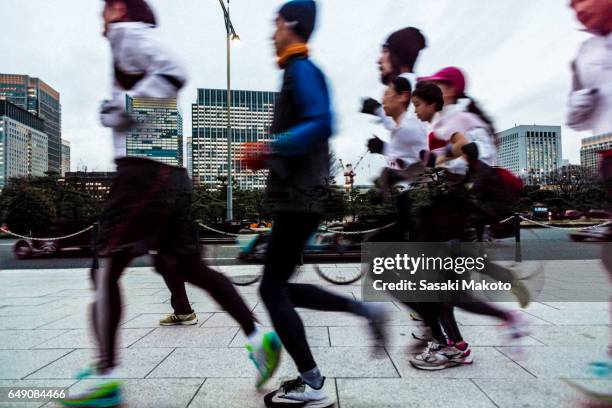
349 172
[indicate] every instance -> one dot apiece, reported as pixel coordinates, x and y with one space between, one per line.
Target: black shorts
148 208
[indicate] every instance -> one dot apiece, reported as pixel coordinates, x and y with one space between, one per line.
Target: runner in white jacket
143 68
460 122
590 101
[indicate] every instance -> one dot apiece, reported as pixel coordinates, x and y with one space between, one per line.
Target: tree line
36 205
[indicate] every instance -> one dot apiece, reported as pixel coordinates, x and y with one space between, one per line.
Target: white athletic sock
108 374
255 338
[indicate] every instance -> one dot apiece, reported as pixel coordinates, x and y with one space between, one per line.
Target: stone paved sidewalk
44 339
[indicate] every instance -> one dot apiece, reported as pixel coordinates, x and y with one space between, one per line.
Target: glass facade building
590 148
159 134
251 117
40 99
531 152
23 143
189 156
65 156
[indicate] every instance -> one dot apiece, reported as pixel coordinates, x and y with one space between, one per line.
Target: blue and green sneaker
265 356
102 395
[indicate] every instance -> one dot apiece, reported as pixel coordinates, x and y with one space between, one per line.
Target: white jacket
590 110
407 140
143 68
455 118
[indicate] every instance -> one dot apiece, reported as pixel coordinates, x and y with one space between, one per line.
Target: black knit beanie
303 14
405 45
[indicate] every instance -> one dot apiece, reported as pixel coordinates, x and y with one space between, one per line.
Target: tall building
65 156
531 152
40 99
251 117
159 135
189 156
590 148
23 143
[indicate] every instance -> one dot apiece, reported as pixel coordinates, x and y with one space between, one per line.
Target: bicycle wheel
339 276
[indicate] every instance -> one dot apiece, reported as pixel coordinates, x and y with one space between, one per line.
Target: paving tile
471 319
233 363
158 393
557 361
16 365
571 335
24 339
30 322
187 336
571 317
533 393
83 339
413 392
134 363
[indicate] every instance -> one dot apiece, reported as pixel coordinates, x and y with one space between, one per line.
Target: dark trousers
166 266
289 235
150 209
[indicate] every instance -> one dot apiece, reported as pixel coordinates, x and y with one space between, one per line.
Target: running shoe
521 292
104 394
424 336
601 369
91 370
265 356
516 326
296 393
416 317
179 320
438 357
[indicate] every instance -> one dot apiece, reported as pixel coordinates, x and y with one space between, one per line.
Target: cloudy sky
516 54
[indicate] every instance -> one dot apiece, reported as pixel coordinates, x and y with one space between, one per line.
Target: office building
159 133
23 143
251 117
590 148
40 99
65 156
95 183
189 157
531 152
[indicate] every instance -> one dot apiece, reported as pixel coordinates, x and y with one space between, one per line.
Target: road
536 244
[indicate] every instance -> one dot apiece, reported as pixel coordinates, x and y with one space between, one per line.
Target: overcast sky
516 54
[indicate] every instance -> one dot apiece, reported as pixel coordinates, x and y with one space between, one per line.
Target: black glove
375 145
370 106
471 151
428 158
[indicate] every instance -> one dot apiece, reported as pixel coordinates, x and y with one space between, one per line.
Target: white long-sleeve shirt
388 122
140 56
407 140
593 70
456 119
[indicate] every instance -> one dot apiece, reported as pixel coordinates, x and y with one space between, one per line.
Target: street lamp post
230 36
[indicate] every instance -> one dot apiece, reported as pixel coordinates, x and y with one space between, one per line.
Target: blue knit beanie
303 14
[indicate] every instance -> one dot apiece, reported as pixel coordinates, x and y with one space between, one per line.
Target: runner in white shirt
408 135
590 102
460 122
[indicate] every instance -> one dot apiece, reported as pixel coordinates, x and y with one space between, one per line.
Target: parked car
28 248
